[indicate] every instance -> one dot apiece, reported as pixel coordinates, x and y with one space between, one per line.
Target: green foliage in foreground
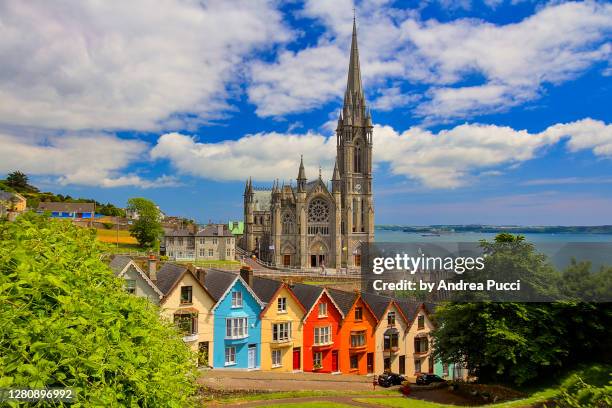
588 388
67 322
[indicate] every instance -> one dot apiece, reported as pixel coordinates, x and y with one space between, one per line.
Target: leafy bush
67 322
591 387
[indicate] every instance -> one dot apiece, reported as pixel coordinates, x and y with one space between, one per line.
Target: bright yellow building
188 304
281 326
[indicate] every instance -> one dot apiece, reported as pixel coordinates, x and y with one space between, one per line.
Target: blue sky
494 111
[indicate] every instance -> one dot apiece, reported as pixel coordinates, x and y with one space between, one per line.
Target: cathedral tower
354 158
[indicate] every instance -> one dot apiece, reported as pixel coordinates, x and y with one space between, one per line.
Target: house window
187 323
186 294
421 345
214 241
358 313
202 252
236 328
282 305
281 331
322 309
202 240
317 360
230 356
227 252
236 299
130 286
391 318
421 322
391 341
180 241
210 252
322 335
276 358
228 241
354 362
417 365
358 339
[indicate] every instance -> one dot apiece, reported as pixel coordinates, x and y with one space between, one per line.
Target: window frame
322 309
277 358
359 314
237 299
188 291
236 328
230 351
281 305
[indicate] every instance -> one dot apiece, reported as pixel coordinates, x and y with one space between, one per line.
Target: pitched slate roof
217 282
119 263
212 230
179 233
306 294
377 303
67 207
265 288
409 308
168 275
344 300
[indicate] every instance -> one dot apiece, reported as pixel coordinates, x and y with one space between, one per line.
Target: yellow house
281 326
188 304
419 353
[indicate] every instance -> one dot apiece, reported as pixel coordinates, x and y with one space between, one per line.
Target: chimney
152 266
200 274
220 230
246 273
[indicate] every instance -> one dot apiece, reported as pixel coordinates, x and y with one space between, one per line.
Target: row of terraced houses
241 321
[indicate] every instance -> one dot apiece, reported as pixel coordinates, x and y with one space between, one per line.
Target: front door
252 356
370 363
286 260
203 353
431 365
402 364
296 358
334 361
357 260
313 261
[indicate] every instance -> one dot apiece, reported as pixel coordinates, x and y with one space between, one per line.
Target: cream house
419 351
137 281
187 303
211 243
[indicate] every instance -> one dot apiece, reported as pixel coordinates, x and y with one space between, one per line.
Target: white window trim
280 359
233 328
236 305
278 303
319 311
230 363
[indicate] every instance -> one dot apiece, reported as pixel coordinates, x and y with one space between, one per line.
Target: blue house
237 321
82 211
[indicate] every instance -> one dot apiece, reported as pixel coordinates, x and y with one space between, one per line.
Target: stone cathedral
307 225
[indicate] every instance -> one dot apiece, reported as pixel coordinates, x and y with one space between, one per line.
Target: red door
334 361
296 358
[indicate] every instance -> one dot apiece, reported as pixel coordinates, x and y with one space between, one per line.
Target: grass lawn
311 404
215 263
110 236
264 396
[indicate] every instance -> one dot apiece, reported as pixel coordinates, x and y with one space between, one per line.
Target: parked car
388 379
426 379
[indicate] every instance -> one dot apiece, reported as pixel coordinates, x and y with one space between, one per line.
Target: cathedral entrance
317 261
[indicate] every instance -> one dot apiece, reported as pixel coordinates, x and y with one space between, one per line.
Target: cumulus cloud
126 64
264 156
91 159
513 61
447 159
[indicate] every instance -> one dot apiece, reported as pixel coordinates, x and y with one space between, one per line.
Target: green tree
515 342
18 181
147 228
67 322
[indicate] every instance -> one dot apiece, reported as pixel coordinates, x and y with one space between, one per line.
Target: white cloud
91 159
264 156
512 62
392 98
446 159
126 64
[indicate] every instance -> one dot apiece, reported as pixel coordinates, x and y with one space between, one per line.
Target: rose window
318 211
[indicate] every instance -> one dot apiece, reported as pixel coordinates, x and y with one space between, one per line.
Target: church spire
301 178
354 90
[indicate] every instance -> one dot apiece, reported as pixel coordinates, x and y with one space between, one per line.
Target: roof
265 289
306 294
66 207
217 282
179 233
408 308
119 263
236 227
378 303
212 230
168 275
344 300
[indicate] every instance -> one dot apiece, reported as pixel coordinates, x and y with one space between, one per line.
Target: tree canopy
68 322
147 228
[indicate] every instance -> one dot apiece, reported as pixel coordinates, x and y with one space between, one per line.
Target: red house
321 336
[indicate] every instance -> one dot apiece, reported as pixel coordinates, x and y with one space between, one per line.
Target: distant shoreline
515 229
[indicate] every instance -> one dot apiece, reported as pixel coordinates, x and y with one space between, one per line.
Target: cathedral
307 225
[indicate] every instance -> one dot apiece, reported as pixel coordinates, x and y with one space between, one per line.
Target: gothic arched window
357 158
288 223
318 217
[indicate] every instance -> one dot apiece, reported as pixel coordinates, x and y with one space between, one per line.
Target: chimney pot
246 273
152 267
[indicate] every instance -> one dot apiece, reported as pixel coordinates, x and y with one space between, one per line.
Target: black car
426 379
389 379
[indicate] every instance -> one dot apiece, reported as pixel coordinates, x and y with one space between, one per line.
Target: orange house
321 329
357 342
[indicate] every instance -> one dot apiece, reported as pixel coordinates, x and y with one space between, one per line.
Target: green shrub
591 387
67 322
